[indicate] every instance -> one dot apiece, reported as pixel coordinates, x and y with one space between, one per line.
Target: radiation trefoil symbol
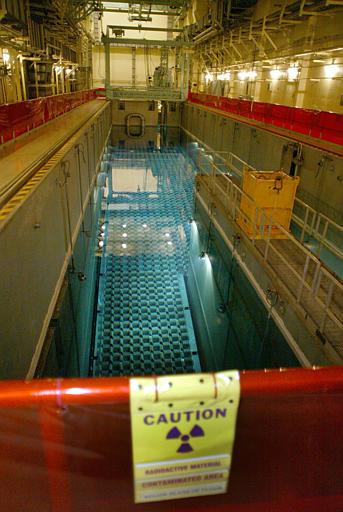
185 447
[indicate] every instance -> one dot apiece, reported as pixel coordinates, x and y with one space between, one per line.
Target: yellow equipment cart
266 203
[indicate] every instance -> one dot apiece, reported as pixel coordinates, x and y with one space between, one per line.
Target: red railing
23 116
319 124
100 91
66 446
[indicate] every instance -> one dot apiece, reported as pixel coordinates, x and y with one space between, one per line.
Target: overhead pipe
150 29
207 34
215 28
206 31
144 13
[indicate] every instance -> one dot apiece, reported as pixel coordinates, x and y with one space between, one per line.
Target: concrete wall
311 45
153 116
196 10
111 18
121 109
149 109
38 241
241 336
121 65
121 57
321 183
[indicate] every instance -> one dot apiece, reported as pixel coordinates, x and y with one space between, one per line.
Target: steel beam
150 29
144 42
144 13
145 93
107 65
180 3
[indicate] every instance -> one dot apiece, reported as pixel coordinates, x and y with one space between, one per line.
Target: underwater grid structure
144 324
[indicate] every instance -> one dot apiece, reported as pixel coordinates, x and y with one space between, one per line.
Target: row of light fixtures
5 56
58 68
292 74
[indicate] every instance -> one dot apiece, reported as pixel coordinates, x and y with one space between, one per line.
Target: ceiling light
5 56
331 70
124 235
124 246
124 226
224 76
292 73
243 75
169 242
167 234
144 226
275 74
101 244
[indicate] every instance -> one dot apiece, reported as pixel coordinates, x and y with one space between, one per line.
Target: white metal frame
314 288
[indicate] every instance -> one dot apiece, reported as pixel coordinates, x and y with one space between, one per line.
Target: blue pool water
143 324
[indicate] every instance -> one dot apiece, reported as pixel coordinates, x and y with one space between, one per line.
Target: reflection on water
139 179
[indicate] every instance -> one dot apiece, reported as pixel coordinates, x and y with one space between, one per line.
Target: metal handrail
312 220
311 224
144 92
312 285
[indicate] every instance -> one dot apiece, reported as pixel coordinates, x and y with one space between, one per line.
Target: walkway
20 159
317 291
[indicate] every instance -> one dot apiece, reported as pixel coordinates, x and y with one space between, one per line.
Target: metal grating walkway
144 324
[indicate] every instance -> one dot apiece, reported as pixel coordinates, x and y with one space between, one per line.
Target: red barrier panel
244 108
281 115
267 112
331 127
5 128
66 446
304 120
21 117
259 111
51 108
234 105
323 125
212 101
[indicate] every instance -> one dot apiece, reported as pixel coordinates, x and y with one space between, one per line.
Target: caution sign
183 429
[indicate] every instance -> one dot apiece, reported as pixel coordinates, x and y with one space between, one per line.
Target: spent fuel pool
143 324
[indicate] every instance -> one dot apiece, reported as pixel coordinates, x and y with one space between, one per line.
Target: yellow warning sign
183 429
